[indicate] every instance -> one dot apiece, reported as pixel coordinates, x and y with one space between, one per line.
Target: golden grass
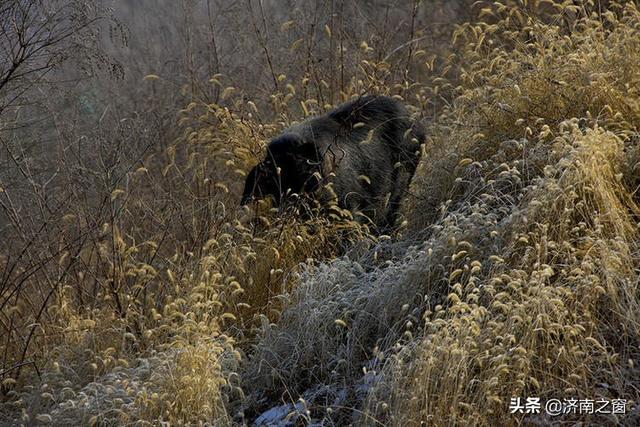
516 274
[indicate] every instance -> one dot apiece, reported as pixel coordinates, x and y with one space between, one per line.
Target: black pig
366 150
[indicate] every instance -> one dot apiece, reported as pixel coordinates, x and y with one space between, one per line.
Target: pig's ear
308 164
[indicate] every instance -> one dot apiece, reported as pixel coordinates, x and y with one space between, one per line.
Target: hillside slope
514 275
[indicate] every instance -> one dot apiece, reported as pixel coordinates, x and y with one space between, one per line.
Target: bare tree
36 37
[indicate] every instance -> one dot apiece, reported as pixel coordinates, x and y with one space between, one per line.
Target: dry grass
515 275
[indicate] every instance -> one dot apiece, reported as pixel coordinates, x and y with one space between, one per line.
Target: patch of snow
281 416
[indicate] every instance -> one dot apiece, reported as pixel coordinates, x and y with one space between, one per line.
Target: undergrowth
514 274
